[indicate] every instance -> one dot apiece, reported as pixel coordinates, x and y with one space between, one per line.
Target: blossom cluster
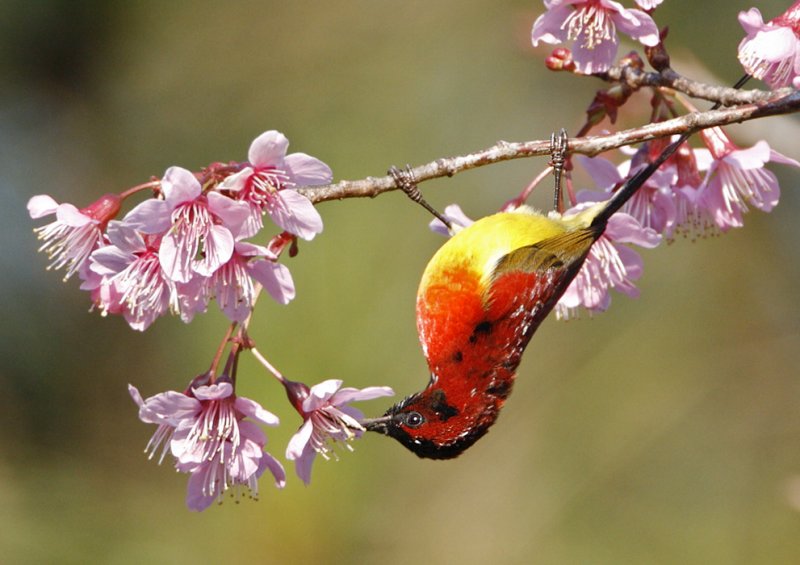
697 191
769 52
214 436
189 244
175 252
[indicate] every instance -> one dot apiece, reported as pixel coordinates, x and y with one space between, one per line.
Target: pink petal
179 185
296 214
776 157
751 21
269 462
595 60
458 220
268 150
275 278
548 27
348 394
751 158
305 170
253 409
252 433
247 249
196 499
236 181
110 260
218 247
125 237
637 25
170 407
71 216
134 392
41 205
217 391
624 228
299 440
173 257
772 44
604 173
320 393
233 213
151 216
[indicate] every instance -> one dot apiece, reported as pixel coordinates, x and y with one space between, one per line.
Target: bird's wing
469 329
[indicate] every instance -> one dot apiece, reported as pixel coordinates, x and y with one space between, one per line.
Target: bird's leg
558 156
405 180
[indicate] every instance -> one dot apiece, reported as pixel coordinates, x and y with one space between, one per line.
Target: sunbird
481 298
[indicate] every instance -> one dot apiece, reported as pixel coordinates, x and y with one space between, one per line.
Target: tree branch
590 145
637 78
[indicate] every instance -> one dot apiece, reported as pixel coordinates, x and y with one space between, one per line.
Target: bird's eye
414 419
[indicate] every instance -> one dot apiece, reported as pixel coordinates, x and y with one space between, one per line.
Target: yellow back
476 249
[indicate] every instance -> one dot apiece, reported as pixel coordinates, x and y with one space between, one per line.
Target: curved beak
380 425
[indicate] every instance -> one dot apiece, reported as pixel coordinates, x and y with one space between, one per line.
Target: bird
482 296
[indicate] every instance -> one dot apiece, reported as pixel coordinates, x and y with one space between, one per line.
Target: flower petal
299 441
151 216
295 213
41 205
179 185
305 170
268 150
275 278
349 394
254 410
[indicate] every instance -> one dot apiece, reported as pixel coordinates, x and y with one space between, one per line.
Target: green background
666 430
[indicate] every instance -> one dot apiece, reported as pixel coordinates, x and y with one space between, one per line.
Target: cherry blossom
326 419
70 240
735 178
457 218
267 185
233 284
206 431
653 204
771 51
592 25
137 284
609 265
196 227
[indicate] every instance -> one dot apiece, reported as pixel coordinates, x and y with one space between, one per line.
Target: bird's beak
380 425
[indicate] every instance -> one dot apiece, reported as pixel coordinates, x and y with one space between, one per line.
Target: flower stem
268 365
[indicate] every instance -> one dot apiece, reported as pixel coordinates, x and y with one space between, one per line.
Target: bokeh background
666 430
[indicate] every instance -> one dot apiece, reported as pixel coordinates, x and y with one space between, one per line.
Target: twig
590 145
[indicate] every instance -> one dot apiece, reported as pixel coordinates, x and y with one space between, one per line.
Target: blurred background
666 430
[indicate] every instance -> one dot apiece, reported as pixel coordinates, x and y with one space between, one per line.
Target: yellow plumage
477 248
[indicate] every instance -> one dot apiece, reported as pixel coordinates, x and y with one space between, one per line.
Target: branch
590 145
636 78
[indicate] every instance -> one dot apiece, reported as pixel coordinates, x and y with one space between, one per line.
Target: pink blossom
267 185
653 205
206 431
137 284
735 178
197 228
592 25
608 265
76 233
457 218
771 51
233 283
326 418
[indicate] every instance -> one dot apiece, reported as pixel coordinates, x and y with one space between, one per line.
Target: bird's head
434 426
